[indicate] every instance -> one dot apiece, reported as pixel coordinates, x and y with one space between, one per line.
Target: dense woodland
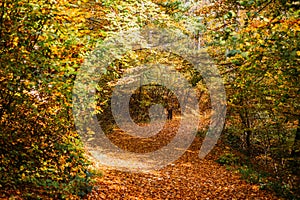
43 44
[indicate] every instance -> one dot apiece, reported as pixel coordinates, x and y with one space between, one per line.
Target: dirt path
187 178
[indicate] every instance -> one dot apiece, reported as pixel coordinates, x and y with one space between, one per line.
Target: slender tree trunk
140 89
248 142
170 113
296 146
247 132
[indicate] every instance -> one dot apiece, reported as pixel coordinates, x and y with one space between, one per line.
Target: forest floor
189 177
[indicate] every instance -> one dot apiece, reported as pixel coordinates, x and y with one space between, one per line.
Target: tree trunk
170 113
296 145
247 132
248 142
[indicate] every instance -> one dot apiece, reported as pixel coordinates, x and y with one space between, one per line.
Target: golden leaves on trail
188 178
144 145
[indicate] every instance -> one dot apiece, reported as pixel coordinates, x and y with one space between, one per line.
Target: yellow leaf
16 41
23 176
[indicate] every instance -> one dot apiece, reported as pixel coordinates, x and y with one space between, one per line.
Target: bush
39 149
228 159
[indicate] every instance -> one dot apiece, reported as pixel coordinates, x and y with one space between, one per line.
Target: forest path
189 177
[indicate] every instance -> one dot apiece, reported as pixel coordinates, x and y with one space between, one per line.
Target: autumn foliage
40 150
255 45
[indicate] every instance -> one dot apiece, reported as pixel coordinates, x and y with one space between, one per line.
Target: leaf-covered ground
188 178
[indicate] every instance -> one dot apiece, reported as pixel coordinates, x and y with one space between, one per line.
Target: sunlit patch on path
188 178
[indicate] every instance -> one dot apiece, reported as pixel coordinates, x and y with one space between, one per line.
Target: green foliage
172 7
285 190
228 159
267 182
254 175
251 175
